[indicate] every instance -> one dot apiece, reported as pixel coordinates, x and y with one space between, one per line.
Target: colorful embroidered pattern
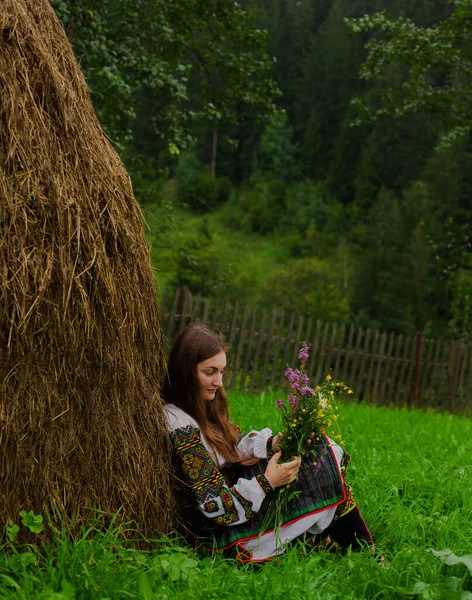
247 505
211 507
197 464
264 483
231 514
202 476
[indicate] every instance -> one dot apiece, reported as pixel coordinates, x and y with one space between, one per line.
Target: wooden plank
223 325
249 345
351 376
275 360
331 349
381 362
269 343
347 354
392 391
216 308
403 394
297 343
286 349
319 370
186 310
373 359
196 308
411 370
443 370
432 386
468 387
242 334
338 351
309 326
389 364
427 373
234 322
260 337
206 310
314 349
460 379
173 315
456 359
361 377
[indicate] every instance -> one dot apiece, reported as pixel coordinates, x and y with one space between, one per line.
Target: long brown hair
193 346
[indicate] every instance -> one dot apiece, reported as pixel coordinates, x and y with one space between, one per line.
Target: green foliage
382 215
203 264
33 522
12 531
438 61
323 296
277 153
166 62
414 498
198 190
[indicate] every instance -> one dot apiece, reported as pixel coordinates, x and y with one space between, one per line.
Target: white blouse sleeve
204 481
255 444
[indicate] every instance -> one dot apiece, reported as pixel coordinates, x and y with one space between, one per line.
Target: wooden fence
382 368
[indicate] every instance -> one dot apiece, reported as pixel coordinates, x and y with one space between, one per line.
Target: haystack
81 420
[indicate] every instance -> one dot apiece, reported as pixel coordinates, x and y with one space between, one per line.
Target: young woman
224 482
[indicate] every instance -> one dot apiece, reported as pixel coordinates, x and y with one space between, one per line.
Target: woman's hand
283 474
309 440
275 441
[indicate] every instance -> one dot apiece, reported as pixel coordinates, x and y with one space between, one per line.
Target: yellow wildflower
331 393
317 388
328 377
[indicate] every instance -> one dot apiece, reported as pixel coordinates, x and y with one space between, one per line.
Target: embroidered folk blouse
200 467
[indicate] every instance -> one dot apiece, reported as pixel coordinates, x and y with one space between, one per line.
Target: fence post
416 390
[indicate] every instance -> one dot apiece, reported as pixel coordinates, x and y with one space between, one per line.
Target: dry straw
81 420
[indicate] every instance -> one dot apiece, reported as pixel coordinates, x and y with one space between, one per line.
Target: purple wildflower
295 385
279 403
305 379
307 391
303 354
293 375
293 400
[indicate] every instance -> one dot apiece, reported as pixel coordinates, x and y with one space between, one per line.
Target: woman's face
210 375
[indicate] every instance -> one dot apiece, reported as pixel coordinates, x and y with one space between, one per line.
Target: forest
308 155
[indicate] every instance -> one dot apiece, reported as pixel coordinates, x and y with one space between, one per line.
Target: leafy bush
197 188
308 286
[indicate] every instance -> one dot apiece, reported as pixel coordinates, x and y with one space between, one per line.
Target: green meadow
412 476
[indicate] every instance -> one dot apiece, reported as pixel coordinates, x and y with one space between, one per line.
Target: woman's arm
205 483
256 444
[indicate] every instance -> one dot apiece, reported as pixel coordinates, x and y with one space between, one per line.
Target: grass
412 476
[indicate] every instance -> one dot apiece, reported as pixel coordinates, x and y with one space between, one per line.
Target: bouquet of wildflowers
307 410
306 414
